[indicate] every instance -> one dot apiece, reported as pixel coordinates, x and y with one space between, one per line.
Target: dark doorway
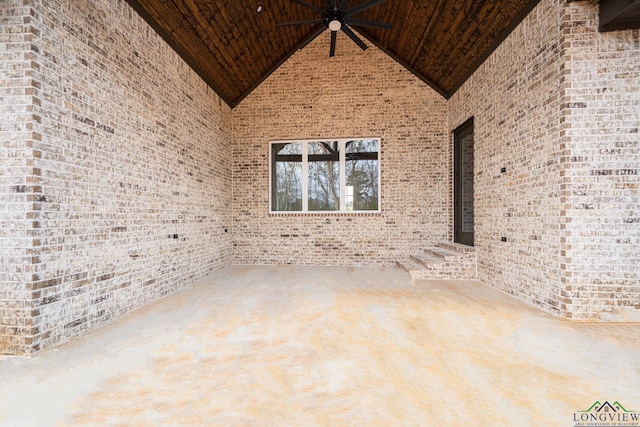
463 222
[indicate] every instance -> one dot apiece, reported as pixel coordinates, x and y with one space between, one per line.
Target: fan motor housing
332 15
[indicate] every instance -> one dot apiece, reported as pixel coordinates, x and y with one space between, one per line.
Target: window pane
286 177
324 176
467 184
361 192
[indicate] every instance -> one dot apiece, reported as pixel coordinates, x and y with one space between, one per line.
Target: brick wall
557 105
354 94
515 99
16 173
111 146
130 149
601 172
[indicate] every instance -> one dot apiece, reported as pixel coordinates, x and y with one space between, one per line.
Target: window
336 175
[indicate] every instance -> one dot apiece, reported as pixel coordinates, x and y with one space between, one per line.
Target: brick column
19 180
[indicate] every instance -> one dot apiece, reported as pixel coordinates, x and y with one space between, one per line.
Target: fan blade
309 21
365 23
353 37
309 6
312 36
332 49
364 6
343 4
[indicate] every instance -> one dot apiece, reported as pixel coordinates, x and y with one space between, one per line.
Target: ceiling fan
336 18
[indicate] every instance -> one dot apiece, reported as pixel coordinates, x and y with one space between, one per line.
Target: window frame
305 176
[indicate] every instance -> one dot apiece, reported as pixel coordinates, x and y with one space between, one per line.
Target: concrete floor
327 346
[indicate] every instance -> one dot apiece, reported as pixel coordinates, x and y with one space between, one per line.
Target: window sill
327 214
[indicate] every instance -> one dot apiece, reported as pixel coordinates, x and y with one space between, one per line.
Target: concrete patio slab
327 346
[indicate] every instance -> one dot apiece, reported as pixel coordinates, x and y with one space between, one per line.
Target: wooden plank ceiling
233 47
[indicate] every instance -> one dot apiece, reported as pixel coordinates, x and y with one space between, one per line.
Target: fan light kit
336 18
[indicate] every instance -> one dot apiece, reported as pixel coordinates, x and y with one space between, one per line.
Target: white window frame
305 176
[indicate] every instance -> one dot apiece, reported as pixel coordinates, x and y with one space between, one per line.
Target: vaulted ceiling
235 44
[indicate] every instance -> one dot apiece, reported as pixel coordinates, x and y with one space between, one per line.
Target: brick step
442 253
408 265
456 247
442 262
426 260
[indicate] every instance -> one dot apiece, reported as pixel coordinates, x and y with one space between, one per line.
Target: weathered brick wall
134 149
557 105
515 99
354 94
601 174
16 173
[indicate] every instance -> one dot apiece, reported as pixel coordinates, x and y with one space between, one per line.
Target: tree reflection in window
361 161
286 194
325 176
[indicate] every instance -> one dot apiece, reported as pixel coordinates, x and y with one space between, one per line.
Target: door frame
462 131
